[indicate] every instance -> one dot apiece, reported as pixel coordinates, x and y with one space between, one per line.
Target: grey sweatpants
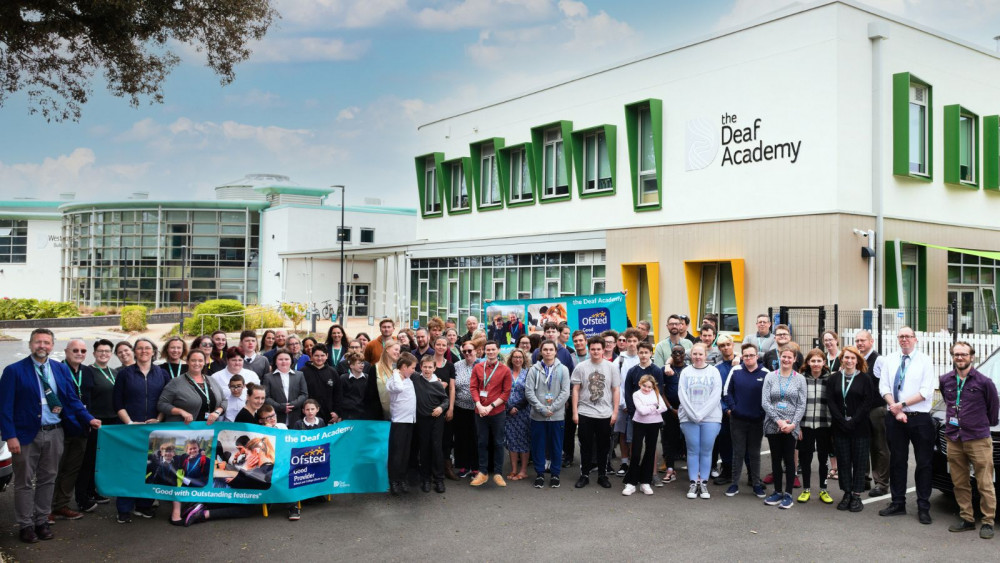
746 438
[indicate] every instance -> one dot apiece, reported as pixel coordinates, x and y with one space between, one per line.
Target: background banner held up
592 314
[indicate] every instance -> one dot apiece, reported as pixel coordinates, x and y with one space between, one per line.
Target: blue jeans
547 442
126 504
485 425
700 440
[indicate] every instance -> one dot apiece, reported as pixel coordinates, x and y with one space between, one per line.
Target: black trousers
595 435
466 440
429 433
569 434
852 460
918 430
782 450
723 448
815 440
673 440
400 438
644 444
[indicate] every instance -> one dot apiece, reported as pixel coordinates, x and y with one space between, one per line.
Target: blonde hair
265 447
384 367
651 379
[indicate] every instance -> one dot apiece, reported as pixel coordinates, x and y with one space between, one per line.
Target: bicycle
327 311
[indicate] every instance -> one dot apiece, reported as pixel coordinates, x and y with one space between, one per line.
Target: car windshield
991 367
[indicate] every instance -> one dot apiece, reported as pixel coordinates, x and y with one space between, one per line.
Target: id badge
781 406
549 398
953 421
482 393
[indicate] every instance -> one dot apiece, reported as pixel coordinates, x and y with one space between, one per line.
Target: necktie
900 376
247 359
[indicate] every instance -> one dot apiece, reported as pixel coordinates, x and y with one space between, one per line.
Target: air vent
918 94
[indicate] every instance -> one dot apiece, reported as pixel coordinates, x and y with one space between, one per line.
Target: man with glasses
878 448
782 338
742 398
763 339
907 386
74 441
971 408
675 331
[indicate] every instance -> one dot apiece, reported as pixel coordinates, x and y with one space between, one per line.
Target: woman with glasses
465 438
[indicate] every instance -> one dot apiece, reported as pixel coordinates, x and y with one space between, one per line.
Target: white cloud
254 98
476 13
140 131
348 113
573 9
78 171
307 49
333 14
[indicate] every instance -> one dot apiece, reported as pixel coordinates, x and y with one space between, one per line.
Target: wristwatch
903 403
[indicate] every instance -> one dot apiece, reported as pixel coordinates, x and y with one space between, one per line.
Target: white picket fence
937 345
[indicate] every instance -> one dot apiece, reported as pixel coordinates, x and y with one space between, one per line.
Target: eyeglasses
749 355
782 334
960 355
205 345
237 386
78 351
271 416
467 351
905 336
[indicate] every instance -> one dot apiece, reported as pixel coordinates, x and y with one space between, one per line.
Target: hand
667 371
896 408
736 362
576 419
548 414
901 417
800 434
95 423
436 412
614 418
212 417
184 415
449 415
513 411
152 421
14 446
334 418
289 407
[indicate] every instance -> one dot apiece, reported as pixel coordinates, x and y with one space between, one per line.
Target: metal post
340 235
954 321
183 279
881 350
836 319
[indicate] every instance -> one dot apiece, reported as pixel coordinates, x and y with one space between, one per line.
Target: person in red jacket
490 388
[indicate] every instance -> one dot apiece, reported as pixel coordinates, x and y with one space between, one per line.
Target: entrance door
966 309
358 299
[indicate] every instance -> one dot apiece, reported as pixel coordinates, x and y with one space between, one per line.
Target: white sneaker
693 490
704 491
646 489
715 473
628 490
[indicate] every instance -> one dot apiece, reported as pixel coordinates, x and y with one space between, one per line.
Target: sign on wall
592 314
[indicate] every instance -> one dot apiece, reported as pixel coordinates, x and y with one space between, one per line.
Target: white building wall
39 277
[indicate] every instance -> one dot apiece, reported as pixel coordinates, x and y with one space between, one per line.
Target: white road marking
883 497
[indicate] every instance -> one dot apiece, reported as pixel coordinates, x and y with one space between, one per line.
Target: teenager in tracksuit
746 417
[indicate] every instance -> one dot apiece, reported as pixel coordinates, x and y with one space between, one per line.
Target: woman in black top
849 394
323 383
174 352
444 369
255 399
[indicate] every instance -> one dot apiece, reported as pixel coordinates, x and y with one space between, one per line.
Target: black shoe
44 532
394 488
539 482
924 517
554 481
124 518
724 479
88 506
856 505
439 487
144 512
986 532
567 462
404 487
582 482
28 535
603 481
608 469
845 503
963 526
425 486
877 491
294 513
100 500
893 510
623 469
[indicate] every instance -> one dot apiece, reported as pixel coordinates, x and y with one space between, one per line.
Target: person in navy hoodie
37 402
137 392
746 417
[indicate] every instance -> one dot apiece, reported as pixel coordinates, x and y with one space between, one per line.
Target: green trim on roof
466 163
476 154
529 157
538 145
611 141
294 190
29 216
349 208
153 204
30 203
421 167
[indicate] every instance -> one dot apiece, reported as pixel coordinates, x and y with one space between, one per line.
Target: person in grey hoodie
547 389
700 392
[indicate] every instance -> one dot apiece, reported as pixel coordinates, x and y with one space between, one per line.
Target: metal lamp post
183 280
341 235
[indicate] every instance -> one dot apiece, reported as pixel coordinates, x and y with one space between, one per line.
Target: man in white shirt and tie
907 385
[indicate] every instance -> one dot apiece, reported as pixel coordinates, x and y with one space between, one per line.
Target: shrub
259 318
134 318
296 312
14 309
98 313
201 321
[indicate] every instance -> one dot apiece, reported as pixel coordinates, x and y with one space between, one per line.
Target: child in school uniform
267 417
403 411
310 420
432 400
234 403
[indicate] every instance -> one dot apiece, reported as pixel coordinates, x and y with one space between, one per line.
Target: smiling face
196 363
102 355
849 362
125 355
256 400
220 341
193 450
76 352
174 350
816 364
143 352
41 346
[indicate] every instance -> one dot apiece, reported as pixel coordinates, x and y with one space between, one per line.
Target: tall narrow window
596 166
918 129
459 191
967 148
432 203
553 165
718 295
648 194
489 180
520 177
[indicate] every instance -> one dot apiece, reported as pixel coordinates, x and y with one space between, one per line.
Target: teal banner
593 314
241 463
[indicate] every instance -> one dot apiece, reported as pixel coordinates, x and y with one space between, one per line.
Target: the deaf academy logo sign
741 144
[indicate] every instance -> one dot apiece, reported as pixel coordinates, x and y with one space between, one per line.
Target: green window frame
552 144
488 149
464 166
430 166
961 146
991 152
595 178
644 128
518 161
912 127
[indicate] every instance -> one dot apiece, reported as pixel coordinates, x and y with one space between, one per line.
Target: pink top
648 407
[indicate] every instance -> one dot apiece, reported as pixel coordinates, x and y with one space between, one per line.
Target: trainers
693 490
646 489
479 480
88 506
769 478
100 500
582 482
856 504
604 482
774 499
670 477
539 482
294 513
986 532
462 473
194 514
733 490
715 473
628 490
554 481
759 491
124 518
498 481
703 490
786 501
825 497
623 469
804 497
144 512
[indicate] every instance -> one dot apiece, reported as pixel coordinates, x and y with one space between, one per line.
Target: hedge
19 309
196 325
134 318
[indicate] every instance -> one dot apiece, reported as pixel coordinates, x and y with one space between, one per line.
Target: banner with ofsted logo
593 314
241 463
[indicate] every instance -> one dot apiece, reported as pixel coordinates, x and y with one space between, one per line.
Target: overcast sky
336 91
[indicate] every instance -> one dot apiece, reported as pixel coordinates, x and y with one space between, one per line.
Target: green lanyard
204 390
77 377
961 385
845 385
109 375
170 370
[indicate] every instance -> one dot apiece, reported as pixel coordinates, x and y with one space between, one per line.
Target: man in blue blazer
38 399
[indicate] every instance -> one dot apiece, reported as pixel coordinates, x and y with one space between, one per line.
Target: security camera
860 232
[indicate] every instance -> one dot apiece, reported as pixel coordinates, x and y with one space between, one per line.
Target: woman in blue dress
518 426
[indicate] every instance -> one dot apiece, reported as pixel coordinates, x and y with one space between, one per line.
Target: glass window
967 148
367 236
489 185
13 241
556 183
520 178
459 191
918 129
648 193
431 202
596 166
717 295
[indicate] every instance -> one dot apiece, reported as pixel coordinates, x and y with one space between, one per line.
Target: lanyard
336 353
192 466
486 380
829 362
548 375
903 366
845 385
961 385
783 387
77 377
203 390
109 375
170 370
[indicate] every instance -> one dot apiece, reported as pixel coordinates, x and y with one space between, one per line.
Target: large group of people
459 404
